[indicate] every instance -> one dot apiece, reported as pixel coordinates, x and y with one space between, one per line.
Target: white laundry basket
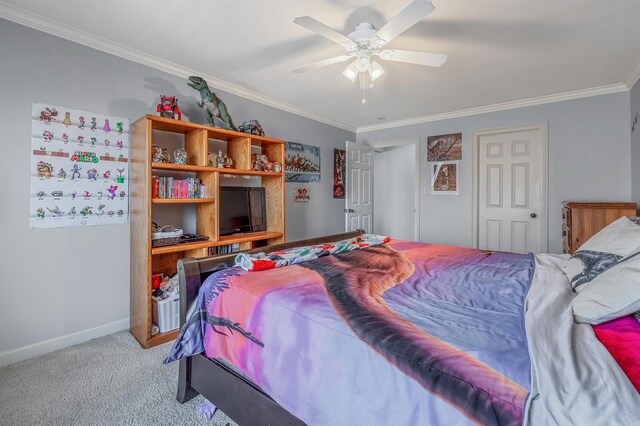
166 313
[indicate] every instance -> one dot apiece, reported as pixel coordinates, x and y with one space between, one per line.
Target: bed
398 333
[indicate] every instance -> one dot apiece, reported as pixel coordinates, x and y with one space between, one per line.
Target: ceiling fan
365 43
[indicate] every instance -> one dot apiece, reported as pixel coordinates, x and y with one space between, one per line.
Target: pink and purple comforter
401 333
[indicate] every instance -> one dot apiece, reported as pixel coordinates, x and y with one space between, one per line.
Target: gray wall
62 281
588 160
635 143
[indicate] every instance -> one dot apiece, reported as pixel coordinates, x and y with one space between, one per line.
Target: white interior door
394 192
512 189
359 199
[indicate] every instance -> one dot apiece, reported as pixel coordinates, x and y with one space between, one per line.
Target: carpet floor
106 381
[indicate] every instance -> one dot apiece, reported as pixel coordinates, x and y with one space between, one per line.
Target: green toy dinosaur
213 104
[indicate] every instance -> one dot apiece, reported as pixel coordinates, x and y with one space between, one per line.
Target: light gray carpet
107 381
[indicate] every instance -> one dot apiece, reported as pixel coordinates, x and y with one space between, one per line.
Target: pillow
612 294
602 251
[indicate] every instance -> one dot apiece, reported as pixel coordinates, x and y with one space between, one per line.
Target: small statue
168 107
180 156
166 158
251 126
156 154
227 162
214 106
220 160
259 162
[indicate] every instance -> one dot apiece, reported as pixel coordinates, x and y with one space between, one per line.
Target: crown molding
57 29
540 100
75 35
634 75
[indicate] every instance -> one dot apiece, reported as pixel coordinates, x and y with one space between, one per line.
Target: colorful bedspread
401 333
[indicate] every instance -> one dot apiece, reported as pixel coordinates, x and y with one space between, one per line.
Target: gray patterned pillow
602 251
612 294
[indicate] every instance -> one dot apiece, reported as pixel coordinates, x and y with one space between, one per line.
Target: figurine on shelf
211 159
180 156
259 162
227 162
274 167
220 160
166 158
168 107
251 126
216 110
156 154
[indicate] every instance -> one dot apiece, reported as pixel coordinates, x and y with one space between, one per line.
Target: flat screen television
242 209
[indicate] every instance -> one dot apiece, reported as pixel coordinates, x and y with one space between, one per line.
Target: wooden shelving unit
145 260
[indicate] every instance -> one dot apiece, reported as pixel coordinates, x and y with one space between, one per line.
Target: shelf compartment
182 247
244 172
179 167
230 171
185 127
160 338
182 200
243 238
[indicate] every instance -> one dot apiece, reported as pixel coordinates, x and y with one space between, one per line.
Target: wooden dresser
581 220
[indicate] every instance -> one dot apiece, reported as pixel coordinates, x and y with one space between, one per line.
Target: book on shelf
169 187
224 249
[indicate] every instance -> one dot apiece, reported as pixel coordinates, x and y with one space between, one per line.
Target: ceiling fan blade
320 64
411 15
412 57
318 27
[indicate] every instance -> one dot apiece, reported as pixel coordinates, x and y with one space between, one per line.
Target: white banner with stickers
79 168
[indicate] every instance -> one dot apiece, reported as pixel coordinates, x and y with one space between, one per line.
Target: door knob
349 210
533 215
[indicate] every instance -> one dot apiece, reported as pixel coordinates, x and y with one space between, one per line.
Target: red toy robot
168 107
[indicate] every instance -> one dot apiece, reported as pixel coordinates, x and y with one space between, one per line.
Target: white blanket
574 379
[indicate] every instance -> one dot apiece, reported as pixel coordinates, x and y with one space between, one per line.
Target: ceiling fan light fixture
363 63
351 72
376 71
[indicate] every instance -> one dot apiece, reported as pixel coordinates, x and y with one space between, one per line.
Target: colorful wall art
339 172
302 194
444 178
302 162
444 147
79 168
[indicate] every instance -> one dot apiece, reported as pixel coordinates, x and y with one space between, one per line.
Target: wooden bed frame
236 396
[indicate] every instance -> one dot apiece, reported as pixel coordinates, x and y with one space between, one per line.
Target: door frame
416 200
543 129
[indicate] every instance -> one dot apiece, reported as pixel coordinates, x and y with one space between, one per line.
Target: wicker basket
166 236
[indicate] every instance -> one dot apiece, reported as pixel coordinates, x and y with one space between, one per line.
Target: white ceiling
498 50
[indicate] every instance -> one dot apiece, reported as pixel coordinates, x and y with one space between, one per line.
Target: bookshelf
196 140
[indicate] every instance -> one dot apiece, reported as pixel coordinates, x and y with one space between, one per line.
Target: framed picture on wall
445 178
444 147
339 172
302 162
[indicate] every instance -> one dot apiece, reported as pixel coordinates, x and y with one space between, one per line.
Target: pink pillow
621 337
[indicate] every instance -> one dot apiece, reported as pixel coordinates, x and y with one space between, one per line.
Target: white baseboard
57 343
